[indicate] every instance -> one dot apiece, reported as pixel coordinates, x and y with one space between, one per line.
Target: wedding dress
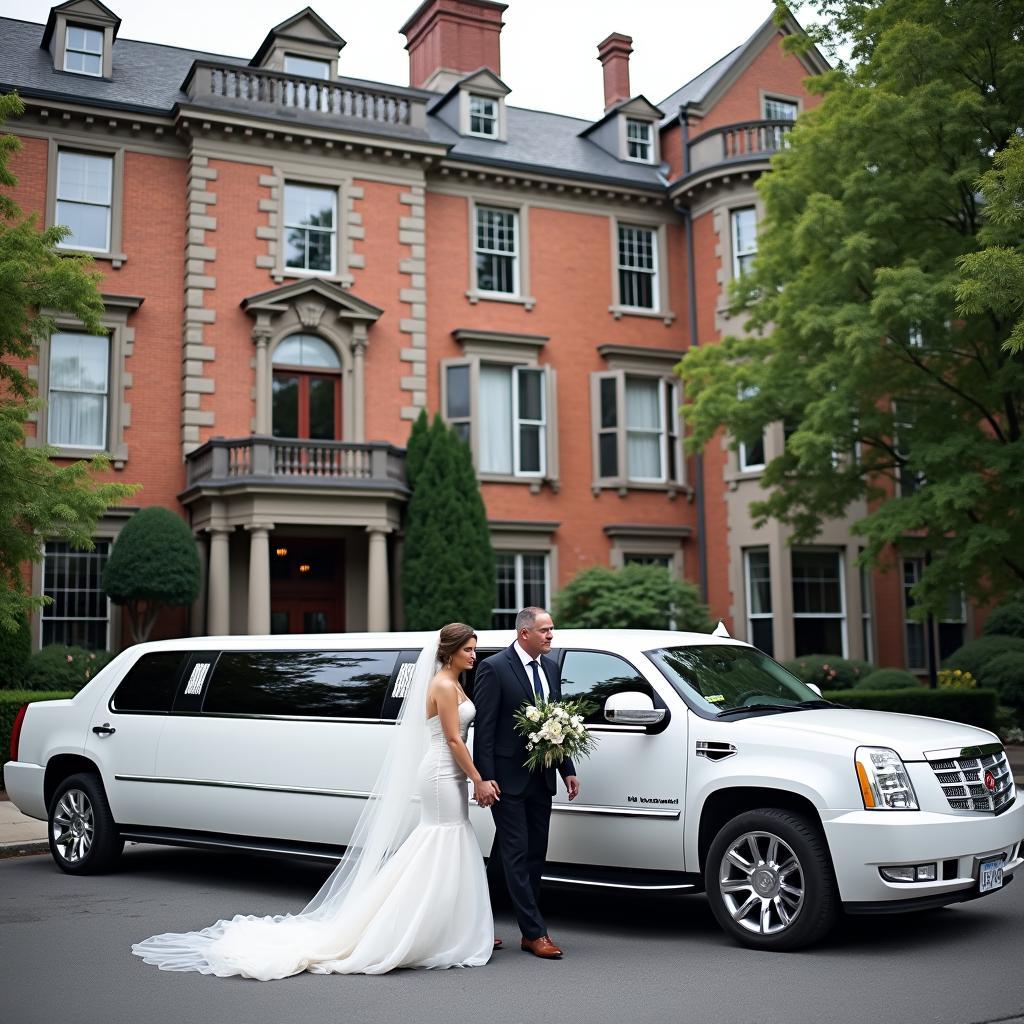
399 898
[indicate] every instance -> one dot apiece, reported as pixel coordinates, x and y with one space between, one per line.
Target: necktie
537 688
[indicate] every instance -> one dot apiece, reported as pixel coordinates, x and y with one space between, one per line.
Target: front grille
963 781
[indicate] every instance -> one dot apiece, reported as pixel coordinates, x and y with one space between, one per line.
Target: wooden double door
307 585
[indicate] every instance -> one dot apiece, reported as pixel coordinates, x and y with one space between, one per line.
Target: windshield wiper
760 707
819 704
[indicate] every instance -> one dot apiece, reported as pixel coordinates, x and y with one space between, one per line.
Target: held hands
572 786
486 792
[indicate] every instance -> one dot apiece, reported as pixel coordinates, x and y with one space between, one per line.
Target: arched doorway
306 389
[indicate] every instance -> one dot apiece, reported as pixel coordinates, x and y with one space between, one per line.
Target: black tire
789 892
83 835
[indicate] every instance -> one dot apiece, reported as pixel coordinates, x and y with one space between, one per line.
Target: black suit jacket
501 688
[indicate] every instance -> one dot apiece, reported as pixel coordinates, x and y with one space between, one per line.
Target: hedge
976 654
56 667
888 679
10 701
972 707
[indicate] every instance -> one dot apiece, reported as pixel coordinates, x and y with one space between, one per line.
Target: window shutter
551 411
607 416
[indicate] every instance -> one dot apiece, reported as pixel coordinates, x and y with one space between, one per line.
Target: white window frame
477 105
519 585
769 99
51 388
639 134
70 243
843 614
44 618
290 271
915 336
519 421
738 254
653 271
669 431
748 579
89 53
513 255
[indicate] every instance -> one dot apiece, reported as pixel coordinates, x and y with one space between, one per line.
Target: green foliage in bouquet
554 730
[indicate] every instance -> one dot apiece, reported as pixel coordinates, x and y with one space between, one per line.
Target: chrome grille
963 781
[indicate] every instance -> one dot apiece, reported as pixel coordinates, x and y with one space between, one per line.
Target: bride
406 893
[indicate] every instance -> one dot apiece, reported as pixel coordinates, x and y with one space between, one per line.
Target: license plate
991 875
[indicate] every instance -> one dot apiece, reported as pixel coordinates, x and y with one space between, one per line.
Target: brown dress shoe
542 947
498 943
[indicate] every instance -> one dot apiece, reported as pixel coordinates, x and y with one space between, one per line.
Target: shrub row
972 707
10 701
55 667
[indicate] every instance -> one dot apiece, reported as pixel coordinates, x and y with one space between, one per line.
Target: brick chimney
614 53
447 39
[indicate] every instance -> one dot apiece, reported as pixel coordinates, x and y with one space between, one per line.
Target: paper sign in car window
714 698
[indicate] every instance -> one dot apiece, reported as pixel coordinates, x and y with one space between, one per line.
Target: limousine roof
620 640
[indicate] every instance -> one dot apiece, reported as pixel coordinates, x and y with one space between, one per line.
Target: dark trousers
521 838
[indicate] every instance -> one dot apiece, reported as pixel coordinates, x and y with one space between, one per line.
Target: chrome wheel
74 826
761 882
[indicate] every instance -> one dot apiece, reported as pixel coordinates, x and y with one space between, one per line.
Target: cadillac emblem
990 782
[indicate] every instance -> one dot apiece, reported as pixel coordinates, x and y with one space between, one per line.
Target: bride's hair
452 637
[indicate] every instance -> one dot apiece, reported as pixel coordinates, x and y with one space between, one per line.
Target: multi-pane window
751 453
638 140
637 267
513 429
497 263
458 409
79 614
310 235
306 389
78 391
522 580
83 50
483 116
780 110
637 428
85 184
913 630
759 599
744 239
819 606
309 67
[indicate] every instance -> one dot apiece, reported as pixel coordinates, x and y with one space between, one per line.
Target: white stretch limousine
715 770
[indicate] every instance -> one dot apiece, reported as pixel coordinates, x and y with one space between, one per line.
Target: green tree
38 498
855 343
153 565
634 597
447 562
417 448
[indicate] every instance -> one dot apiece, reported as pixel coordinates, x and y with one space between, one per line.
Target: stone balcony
295 463
748 142
345 104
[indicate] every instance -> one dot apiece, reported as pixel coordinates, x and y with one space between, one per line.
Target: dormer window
638 141
309 67
483 116
83 50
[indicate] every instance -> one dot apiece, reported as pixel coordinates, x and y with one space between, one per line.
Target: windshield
724 678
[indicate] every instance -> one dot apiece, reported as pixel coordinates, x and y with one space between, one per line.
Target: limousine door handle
104 730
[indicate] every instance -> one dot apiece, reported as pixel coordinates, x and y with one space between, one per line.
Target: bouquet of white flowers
554 730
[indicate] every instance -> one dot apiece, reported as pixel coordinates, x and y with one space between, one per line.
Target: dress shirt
526 659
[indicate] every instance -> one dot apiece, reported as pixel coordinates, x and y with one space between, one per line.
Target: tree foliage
38 498
634 597
447 560
873 221
154 564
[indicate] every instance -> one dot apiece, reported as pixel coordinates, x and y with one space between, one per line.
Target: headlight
884 782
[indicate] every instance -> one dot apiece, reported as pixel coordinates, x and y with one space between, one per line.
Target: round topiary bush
15 650
1007 620
57 667
888 679
828 671
1005 675
975 655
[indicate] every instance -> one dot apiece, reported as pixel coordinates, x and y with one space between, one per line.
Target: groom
504 683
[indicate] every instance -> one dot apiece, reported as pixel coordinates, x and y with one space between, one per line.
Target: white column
358 385
219 614
378 591
261 335
259 579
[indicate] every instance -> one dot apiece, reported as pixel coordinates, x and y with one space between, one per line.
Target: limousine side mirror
816 689
632 708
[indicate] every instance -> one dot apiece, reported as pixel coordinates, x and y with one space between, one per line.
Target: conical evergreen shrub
417 448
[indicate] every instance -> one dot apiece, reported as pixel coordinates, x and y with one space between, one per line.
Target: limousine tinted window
150 683
321 684
596 676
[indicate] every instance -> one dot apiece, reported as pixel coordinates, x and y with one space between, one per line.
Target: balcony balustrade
276 92
736 143
298 462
